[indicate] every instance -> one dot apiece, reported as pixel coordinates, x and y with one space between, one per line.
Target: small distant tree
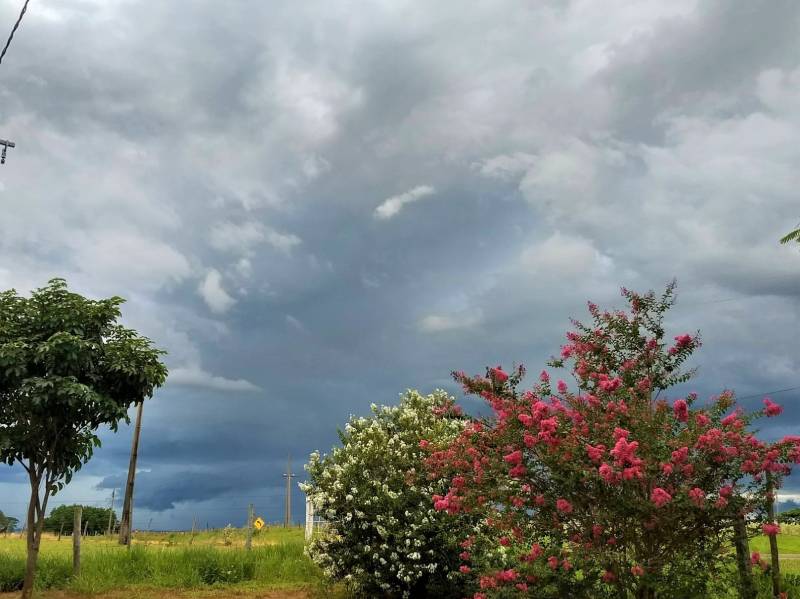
93 519
66 369
7 523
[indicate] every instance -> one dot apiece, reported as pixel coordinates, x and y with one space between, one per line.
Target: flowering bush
608 488
384 535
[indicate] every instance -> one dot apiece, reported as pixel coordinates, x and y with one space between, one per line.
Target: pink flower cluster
498 374
660 497
771 408
663 460
681 410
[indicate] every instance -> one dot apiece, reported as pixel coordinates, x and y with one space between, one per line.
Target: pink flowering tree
604 486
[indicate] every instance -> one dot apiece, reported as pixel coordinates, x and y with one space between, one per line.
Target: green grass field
168 561
205 565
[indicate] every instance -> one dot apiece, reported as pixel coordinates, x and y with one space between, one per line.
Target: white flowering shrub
383 536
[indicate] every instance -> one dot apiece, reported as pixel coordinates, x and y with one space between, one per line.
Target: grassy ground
209 566
159 563
788 546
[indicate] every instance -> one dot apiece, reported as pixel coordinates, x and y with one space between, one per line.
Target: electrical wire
766 393
14 30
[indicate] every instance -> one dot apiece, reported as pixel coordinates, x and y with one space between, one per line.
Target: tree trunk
645 592
773 541
126 522
34 537
748 588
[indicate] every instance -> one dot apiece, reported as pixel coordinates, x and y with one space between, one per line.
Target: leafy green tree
95 519
66 369
7 523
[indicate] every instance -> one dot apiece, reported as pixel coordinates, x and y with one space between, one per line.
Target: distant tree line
790 516
94 519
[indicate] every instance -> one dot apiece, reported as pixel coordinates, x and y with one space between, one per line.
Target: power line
714 301
14 30
769 393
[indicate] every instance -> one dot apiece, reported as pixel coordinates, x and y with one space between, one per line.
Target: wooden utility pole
76 540
248 542
6 144
111 512
126 522
288 476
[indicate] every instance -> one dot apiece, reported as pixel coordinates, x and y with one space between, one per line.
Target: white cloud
244 267
564 256
506 166
128 259
243 238
309 99
239 238
214 294
296 324
391 206
437 323
313 166
570 173
195 376
283 242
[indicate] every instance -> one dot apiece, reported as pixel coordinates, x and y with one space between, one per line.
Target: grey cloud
703 63
574 147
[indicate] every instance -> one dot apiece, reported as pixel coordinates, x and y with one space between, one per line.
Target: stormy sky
315 205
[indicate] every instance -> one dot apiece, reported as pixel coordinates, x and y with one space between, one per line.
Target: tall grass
162 563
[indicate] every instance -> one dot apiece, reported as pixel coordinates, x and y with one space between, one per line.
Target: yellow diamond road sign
259 523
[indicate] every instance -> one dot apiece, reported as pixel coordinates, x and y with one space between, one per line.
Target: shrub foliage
605 487
383 535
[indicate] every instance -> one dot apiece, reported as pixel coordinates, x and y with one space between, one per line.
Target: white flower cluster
383 533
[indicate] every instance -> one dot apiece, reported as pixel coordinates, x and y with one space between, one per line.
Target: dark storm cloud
163 491
221 167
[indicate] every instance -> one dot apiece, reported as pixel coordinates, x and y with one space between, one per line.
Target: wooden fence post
309 518
60 531
76 541
248 543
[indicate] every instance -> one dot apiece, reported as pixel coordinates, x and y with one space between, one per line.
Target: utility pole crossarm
6 144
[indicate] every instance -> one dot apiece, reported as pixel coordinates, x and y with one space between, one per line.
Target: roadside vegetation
166 561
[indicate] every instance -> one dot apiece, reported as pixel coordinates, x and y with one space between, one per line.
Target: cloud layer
313 208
